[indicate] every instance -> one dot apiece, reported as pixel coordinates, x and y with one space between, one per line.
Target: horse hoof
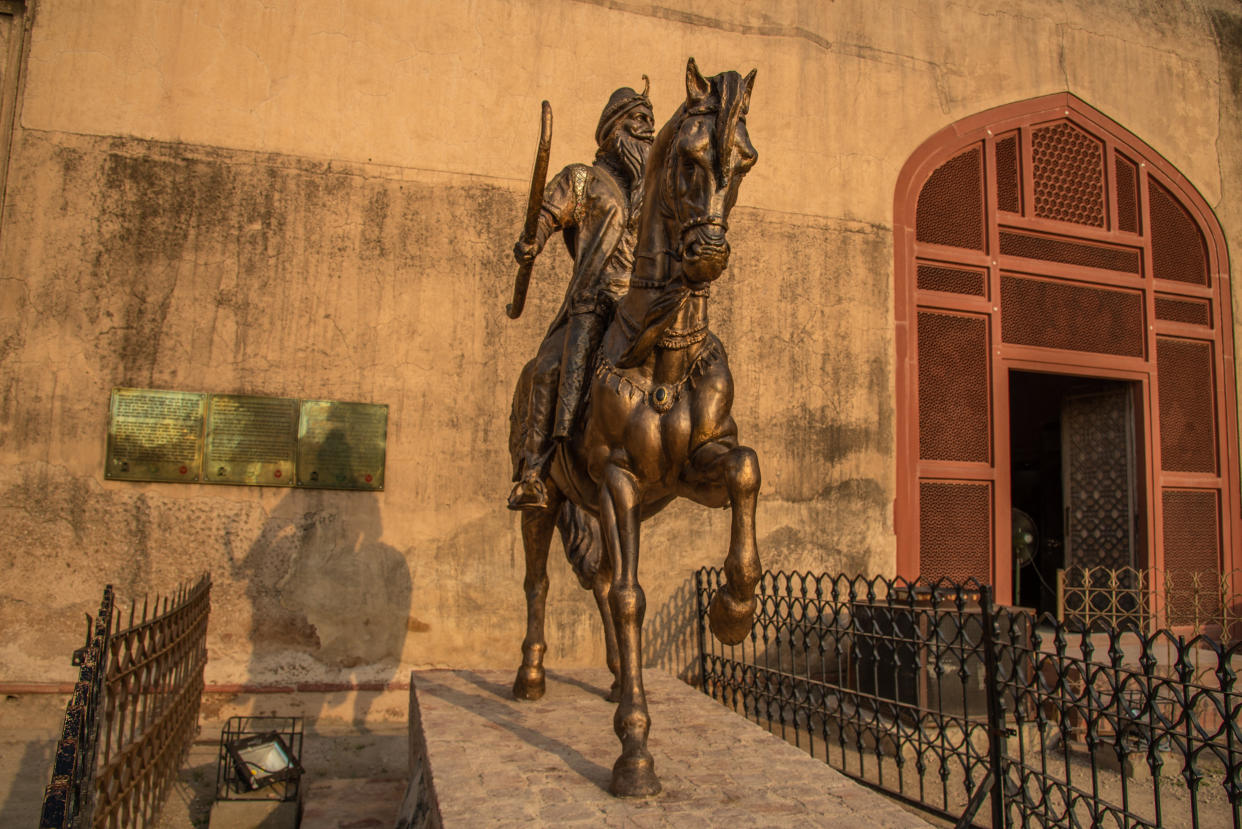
634 776
529 684
730 619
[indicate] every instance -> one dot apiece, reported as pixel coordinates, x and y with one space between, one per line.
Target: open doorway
1073 487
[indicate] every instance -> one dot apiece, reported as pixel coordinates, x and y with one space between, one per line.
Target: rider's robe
592 208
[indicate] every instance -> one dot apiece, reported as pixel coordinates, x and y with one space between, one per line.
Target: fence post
996 712
699 624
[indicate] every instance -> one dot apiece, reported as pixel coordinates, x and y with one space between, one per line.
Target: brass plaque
154 435
342 445
251 440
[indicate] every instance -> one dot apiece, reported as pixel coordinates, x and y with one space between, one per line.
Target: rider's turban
621 102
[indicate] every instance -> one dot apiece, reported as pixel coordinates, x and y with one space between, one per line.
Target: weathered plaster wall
846 89
317 200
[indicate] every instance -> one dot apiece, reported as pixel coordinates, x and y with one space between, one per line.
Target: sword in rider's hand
537 181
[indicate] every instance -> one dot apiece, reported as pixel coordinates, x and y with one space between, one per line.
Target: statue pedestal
494 761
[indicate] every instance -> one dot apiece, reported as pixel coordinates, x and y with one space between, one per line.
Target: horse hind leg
601 586
735 469
583 547
537 528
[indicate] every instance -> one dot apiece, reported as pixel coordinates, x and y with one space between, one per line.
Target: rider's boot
530 493
583 337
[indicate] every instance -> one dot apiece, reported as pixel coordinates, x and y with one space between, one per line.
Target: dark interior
1035 402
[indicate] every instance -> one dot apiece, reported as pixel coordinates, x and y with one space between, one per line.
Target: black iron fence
134 712
986 715
69 800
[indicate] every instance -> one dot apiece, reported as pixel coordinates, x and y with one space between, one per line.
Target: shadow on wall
321 583
669 636
23 804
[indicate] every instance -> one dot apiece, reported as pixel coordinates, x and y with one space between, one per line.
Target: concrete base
498 762
253 814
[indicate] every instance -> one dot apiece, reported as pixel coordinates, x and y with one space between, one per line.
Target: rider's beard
632 152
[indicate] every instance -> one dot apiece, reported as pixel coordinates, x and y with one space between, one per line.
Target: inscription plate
251 440
342 445
154 435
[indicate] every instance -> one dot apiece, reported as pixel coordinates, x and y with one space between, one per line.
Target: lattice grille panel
154 688
1096 435
1068 167
1083 254
950 209
1074 317
951 280
1177 249
1127 195
1191 543
955 530
1182 309
954 417
1008 178
1187 405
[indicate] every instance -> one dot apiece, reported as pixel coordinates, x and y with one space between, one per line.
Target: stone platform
497 762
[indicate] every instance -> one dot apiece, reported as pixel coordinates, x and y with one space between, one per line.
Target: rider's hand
525 252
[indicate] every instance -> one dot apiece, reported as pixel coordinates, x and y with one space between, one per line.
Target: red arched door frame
938 492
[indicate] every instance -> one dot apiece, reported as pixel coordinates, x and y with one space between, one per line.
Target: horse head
706 152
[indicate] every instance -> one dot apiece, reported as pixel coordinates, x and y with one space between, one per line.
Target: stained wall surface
317 200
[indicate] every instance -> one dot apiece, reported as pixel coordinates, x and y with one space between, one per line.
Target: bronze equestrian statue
657 422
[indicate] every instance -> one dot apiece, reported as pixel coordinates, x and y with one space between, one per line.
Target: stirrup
529 494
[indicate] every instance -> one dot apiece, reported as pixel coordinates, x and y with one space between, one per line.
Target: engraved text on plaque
251 440
342 445
154 435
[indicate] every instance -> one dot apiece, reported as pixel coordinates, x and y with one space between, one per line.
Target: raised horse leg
633 775
736 469
537 529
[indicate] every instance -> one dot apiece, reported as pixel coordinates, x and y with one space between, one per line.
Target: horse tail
580 538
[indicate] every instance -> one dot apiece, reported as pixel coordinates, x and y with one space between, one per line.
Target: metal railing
69 800
1198 602
987 715
132 738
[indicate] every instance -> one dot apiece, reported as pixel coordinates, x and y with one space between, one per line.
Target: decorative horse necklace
662 396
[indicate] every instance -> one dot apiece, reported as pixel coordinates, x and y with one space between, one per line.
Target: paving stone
250 814
499 762
332 804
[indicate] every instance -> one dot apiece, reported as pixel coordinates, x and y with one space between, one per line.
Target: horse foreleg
537 528
736 469
633 775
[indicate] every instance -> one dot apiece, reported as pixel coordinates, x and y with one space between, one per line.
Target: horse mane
729 91
646 248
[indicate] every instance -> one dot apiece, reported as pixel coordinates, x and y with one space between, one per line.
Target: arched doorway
1064 341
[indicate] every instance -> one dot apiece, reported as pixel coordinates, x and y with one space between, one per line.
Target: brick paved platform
497 762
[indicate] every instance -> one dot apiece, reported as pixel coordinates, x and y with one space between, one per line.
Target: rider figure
596 206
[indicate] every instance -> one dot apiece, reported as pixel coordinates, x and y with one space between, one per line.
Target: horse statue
657 422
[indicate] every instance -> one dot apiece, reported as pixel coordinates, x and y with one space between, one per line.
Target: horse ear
697 88
748 84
